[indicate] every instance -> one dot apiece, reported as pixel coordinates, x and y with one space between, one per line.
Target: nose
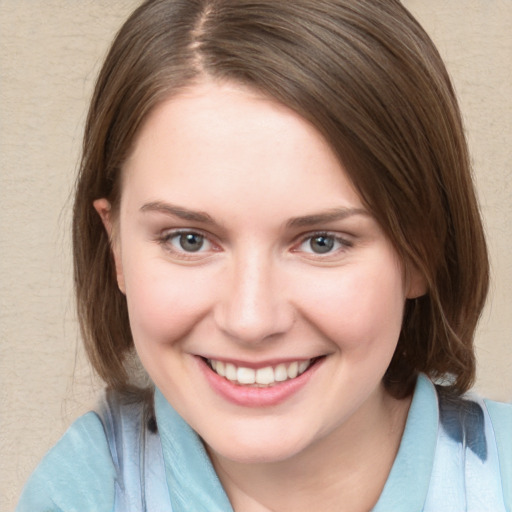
253 306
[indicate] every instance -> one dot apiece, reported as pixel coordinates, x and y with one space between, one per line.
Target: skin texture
256 292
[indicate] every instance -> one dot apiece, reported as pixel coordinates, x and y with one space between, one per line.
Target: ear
415 282
104 209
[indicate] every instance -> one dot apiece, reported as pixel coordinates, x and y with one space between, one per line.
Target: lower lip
253 396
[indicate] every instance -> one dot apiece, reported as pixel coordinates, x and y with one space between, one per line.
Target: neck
345 471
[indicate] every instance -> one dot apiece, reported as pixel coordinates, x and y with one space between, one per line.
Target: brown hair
370 79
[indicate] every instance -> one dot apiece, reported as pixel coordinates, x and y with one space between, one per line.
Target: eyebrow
332 215
178 211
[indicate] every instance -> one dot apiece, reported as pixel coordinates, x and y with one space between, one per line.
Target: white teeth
281 373
262 377
220 369
246 375
293 370
265 375
303 366
230 371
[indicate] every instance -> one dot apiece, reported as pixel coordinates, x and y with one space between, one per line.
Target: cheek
164 301
360 308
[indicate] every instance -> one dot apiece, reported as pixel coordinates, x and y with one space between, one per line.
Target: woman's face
265 301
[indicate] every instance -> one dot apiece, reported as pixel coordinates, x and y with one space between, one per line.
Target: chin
258 449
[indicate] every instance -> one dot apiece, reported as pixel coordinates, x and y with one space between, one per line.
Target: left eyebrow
332 215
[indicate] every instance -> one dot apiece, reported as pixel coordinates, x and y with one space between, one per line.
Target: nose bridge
254 306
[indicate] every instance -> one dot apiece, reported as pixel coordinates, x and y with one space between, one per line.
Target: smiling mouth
262 377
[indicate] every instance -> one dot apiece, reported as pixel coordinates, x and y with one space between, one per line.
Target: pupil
191 242
322 244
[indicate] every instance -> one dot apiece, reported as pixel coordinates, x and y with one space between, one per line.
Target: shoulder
76 474
501 414
501 420
477 421
481 430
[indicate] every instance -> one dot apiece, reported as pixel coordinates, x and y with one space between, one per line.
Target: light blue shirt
455 455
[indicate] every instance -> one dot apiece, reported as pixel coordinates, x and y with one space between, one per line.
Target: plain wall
50 51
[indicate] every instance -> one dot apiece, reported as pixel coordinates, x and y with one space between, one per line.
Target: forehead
237 145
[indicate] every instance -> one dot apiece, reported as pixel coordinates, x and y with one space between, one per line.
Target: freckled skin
255 290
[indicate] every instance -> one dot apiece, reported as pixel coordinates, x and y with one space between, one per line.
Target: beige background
49 57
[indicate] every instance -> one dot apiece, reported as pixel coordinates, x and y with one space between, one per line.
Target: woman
275 210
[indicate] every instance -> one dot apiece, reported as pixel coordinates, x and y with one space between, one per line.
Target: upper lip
260 364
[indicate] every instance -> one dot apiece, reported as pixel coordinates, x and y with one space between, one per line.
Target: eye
323 243
189 242
186 242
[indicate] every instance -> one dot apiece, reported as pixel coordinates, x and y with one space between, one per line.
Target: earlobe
104 209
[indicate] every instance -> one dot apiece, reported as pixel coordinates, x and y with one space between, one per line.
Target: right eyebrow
178 211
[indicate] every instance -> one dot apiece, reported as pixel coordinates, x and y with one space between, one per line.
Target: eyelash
165 240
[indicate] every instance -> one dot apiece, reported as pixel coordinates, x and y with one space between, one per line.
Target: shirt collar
192 481
408 482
